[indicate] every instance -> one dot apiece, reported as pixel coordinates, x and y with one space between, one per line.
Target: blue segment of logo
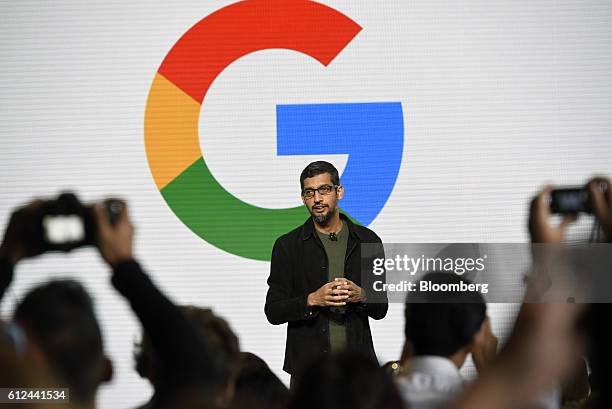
372 134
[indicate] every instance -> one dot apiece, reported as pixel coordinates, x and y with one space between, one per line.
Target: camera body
65 223
572 200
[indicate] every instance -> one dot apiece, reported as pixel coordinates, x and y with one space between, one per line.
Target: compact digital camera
65 223
569 200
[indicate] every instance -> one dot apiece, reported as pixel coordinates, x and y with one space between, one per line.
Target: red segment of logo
253 25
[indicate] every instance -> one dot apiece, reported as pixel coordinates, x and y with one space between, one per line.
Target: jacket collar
308 228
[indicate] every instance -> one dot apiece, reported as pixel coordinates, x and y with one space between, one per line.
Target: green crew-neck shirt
336 253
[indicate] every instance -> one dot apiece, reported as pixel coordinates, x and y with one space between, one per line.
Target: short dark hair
443 322
317 168
60 318
362 382
257 386
218 335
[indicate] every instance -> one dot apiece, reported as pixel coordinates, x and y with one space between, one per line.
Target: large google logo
372 134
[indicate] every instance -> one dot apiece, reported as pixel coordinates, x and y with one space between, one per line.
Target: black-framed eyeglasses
323 190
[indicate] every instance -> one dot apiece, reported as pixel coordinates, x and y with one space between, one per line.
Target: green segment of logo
224 221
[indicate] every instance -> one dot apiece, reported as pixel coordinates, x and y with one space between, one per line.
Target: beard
323 219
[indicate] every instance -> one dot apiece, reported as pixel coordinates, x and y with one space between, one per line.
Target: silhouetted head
58 317
347 380
443 322
220 338
257 387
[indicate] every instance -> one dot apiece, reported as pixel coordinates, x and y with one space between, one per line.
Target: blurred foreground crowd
557 355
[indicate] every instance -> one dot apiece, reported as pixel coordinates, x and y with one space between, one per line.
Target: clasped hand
336 294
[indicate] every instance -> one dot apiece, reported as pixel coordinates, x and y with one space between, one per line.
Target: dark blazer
298 267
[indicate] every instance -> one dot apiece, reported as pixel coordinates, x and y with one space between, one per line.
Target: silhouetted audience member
597 317
594 320
347 380
599 355
224 348
55 322
59 317
257 387
542 347
20 371
443 328
192 357
191 375
538 353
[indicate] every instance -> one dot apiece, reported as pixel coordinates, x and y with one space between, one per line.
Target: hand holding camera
601 203
540 229
115 239
63 224
594 198
22 225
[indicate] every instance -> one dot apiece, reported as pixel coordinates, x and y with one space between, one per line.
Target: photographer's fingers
601 204
601 207
104 233
567 220
538 215
33 206
542 201
540 229
16 243
123 217
102 222
114 242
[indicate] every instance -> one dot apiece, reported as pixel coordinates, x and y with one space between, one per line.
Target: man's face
322 207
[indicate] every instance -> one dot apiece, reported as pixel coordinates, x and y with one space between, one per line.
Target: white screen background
498 98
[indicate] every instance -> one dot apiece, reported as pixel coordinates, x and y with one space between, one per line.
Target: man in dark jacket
315 282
